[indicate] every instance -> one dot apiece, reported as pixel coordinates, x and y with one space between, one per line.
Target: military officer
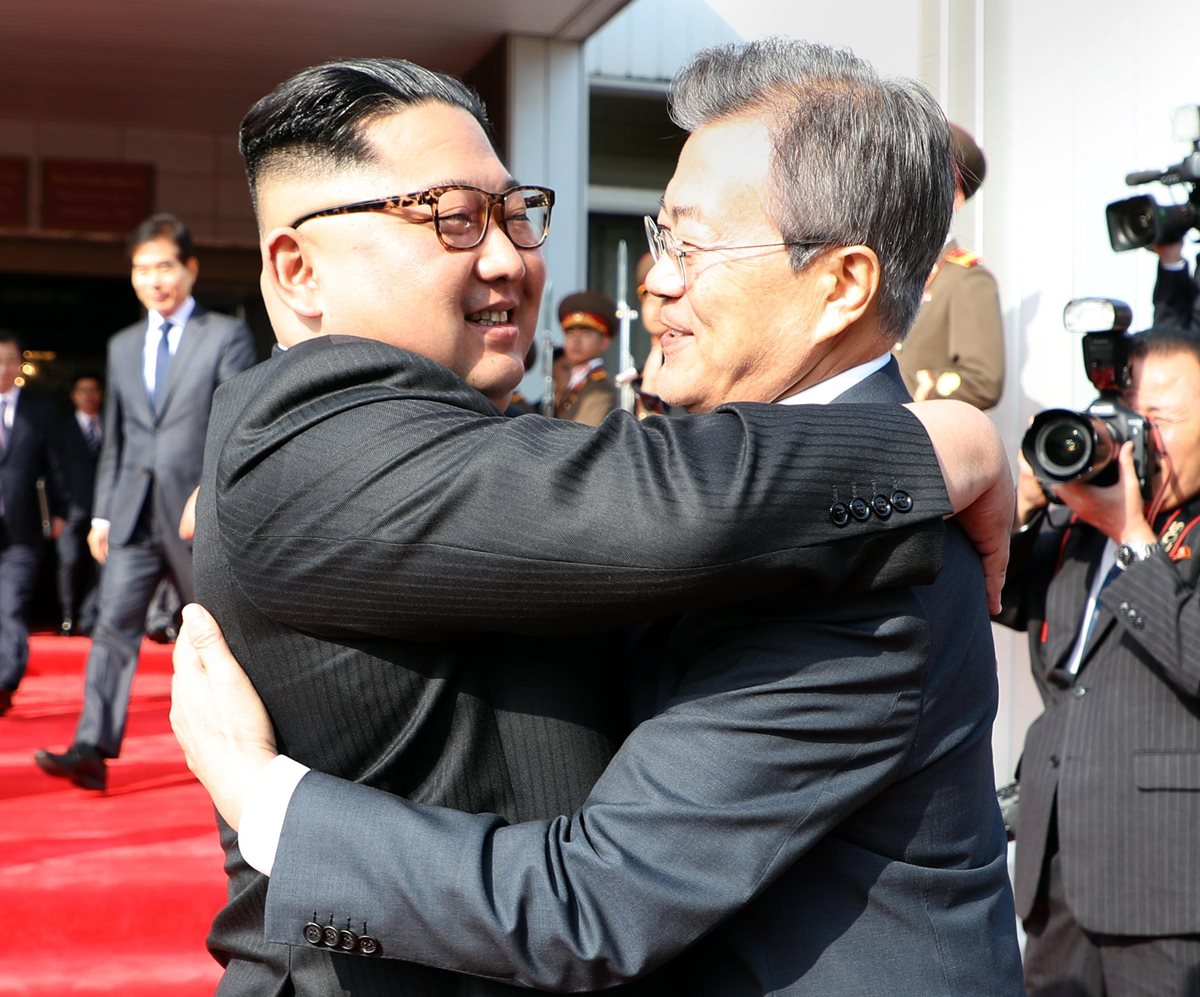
588 319
956 346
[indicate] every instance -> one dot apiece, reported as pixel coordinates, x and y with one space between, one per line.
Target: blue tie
161 364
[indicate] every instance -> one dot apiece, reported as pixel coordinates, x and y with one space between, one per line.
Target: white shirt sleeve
263 814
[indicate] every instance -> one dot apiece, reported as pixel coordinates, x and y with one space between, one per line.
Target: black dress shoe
81 763
5 701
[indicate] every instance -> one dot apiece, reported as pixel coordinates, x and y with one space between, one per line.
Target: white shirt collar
830 388
178 318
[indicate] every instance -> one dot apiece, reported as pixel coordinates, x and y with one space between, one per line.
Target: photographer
1107 870
1176 294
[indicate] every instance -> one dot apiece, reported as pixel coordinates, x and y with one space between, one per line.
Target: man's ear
289 274
850 278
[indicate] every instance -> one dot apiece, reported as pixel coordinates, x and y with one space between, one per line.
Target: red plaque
80 196
14 192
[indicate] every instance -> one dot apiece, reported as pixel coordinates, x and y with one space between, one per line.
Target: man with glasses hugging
373 536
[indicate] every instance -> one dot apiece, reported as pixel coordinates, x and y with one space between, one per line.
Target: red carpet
107 893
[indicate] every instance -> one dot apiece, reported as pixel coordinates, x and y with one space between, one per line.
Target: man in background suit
1107 876
78 572
322 463
28 453
813 784
161 376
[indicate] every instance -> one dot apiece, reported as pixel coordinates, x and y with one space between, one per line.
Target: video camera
1061 445
1141 221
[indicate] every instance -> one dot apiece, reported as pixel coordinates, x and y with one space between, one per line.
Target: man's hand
1031 496
1118 511
187 521
978 480
217 717
97 540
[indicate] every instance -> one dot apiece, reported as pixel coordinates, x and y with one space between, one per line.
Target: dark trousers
78 574
1064 959
131 575
18 577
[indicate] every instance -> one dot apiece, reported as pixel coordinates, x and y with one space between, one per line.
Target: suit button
1124 608
839 512
1054 761
1079 691
367 945
314 934
860 510
902 501
347 940
1139 623
331 936
881 506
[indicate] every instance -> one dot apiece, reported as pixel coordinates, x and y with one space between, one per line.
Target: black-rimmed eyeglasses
460 214
663 243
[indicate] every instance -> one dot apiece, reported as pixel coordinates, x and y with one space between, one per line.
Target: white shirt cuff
1176 265
264 812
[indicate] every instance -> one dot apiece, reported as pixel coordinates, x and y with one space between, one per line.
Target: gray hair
857 159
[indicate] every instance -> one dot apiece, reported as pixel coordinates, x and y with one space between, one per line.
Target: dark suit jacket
1177 299
1117 749
141 447
813 790
33 452
79 468
356 495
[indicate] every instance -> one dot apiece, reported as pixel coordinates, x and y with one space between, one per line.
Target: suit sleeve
238 353
1157 608
1176 299
110 448
754 760
369 513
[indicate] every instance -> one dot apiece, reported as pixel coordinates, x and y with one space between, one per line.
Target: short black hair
8 336
87 375
1163 339
163 226
315 119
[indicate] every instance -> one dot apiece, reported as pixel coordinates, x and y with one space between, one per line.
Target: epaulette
599 374
963 258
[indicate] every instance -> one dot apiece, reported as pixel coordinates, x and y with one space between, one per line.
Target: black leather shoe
5 701
81 763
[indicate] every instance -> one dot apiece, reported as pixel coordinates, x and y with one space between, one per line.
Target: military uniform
958 335
590 394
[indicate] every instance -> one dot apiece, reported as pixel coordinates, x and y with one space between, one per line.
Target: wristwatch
1127 554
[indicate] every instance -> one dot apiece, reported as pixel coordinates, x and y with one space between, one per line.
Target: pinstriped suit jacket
1117 749
814 787
352 491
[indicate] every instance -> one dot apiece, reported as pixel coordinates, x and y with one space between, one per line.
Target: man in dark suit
815 771
1176 291
29 453
78 572
1107 879
161 376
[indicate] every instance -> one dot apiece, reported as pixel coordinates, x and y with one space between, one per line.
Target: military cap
969 159
588 310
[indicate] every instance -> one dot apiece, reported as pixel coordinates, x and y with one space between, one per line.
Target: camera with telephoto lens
1061 445
1142 221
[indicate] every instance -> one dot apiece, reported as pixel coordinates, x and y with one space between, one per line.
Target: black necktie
162 363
